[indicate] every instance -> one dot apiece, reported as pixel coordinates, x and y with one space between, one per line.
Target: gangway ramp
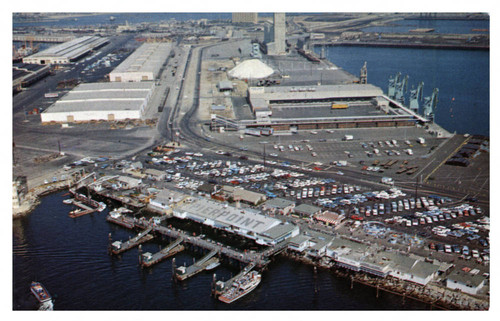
118 247
182 272
147 259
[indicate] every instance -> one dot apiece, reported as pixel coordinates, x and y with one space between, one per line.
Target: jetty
182 273
118 247
147 259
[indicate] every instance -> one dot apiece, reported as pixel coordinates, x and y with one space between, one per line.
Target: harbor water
69 257
462 77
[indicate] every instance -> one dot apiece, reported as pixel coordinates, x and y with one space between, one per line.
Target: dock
182 272
147 259
259 259
118 247
83 209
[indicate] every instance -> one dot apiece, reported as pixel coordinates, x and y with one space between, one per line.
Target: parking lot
435 221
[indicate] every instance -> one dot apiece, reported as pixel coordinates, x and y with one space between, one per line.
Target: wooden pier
260 259
147 259
83 210
182 272
118 247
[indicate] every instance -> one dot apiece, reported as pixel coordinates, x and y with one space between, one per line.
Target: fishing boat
68 201
241 287
212 266
40 292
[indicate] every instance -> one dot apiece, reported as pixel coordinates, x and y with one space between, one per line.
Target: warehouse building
281 95
244 222
101 101
66 52
144 64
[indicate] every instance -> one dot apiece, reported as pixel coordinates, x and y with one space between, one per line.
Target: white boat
212 266
241 287
68 201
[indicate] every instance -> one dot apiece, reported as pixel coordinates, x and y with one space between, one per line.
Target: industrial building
268 97
278 46
66 52
144 64
244 222
101 101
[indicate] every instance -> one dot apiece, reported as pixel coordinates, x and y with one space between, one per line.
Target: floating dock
83 210
118 247
147 259
182 272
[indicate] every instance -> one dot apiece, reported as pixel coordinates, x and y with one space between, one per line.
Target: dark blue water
460 74
69 256
439 26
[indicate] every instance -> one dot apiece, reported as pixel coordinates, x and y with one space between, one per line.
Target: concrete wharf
182 272
118 247
84 210
147 259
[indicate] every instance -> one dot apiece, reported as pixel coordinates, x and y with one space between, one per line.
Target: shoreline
447 300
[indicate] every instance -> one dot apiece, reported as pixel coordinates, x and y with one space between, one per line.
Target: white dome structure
251 69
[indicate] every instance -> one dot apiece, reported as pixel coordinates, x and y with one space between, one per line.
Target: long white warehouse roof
71 49
314 92
205 210
149 57
103 96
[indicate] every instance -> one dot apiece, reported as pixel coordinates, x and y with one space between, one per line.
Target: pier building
244 222
66 52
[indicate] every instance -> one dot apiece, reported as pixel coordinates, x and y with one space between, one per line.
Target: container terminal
290 132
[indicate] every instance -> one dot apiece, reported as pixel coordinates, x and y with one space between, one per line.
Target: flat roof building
144 64
101 101
66 52
244 222
303 94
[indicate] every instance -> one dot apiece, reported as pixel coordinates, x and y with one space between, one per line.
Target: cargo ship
241 287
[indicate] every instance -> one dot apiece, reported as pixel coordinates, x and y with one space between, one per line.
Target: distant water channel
69 256
462 77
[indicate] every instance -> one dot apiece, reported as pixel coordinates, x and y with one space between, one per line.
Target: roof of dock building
243 194
73 48
472 280
307 209
280 230
278 202
167 196
202 209
314 92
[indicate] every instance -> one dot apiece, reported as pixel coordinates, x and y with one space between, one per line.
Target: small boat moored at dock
240 287
212 266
